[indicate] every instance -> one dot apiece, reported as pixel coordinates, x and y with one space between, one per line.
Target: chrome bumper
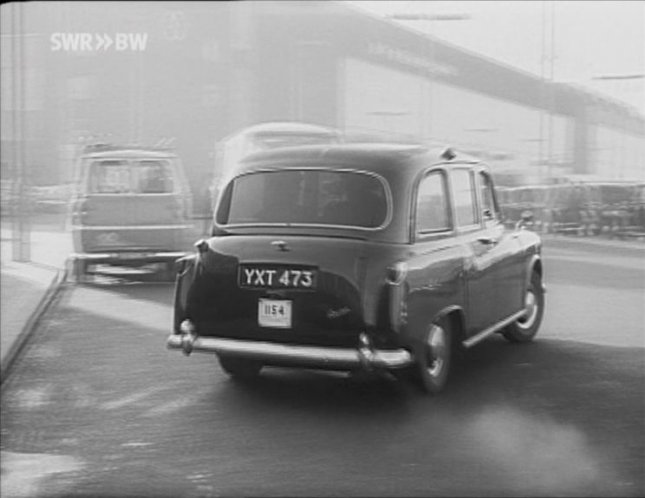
287 354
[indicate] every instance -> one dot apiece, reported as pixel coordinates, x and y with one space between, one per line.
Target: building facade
208 69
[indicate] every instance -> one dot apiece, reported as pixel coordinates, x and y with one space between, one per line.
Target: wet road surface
98 407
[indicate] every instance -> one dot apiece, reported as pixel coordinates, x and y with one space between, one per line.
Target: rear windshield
305 197
119 176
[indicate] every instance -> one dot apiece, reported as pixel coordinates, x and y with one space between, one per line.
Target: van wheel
434 357
240 368
525 328
79 270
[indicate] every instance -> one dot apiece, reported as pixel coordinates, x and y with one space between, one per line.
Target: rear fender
534 266
456 317
453 313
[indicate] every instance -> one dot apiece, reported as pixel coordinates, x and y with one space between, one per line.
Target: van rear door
160 196
109 200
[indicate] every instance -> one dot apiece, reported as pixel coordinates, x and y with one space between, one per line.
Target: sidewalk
27 288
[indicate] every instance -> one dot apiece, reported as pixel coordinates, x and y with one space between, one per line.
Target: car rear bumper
128 257
362 357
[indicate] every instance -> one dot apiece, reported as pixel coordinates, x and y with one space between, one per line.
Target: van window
119 176
152 177
110 177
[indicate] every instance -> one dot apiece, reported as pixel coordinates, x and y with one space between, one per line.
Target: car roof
376 157
287 127
130 154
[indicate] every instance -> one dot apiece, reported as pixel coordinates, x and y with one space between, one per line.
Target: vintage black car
357 257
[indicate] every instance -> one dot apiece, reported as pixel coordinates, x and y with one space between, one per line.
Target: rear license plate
274 313
277 277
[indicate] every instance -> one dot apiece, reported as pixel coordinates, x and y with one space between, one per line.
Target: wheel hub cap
436 350
530 310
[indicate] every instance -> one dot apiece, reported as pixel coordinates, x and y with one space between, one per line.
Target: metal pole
21 234
551 90
543 89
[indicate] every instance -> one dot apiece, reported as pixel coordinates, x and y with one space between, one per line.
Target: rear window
309 197
118 176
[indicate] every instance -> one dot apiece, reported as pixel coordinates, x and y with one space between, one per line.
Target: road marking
606 259
173 406
37 397
135 444
132 398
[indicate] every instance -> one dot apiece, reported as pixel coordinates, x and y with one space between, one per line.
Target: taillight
79 210
397 295
395 274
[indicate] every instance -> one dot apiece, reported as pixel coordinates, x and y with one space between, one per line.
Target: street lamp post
20 229
548 99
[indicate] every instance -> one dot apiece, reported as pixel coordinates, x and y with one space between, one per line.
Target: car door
503 253
479 264
435 264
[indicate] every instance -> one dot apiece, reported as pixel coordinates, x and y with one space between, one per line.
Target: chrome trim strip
341 358
471 341
129 227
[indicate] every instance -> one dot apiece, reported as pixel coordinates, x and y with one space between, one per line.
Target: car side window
489 205
463 190
432 204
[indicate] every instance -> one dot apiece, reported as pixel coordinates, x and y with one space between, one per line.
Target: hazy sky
591 38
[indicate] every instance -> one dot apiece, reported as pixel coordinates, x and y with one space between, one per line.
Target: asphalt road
98 407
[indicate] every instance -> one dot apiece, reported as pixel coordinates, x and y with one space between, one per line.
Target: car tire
240 368
525 328
433 358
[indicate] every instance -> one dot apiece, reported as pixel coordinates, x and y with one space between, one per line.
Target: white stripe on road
29 399
132 398
173 406
22 473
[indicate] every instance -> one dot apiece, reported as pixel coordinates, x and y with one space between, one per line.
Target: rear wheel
240 368
525 327
434 357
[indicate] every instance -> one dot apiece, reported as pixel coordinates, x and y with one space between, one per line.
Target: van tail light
79 210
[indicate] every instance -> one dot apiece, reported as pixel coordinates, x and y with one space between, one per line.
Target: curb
588 241
30 326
